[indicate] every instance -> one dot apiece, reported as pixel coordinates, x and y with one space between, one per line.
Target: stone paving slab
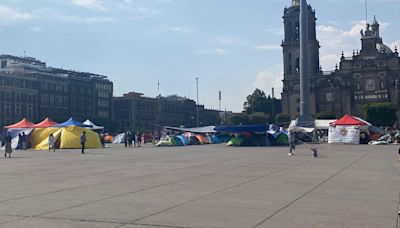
202 186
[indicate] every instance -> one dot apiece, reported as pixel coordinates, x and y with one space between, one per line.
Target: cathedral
369 75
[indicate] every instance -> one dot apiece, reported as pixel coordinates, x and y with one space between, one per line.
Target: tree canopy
380 114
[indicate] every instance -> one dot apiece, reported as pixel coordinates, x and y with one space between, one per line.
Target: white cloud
217 51
84 20
220 51
266 80
36 29
90 4
9 15
268 47
394 45
224 40
333 41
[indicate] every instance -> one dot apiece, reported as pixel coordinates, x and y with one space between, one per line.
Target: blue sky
230 45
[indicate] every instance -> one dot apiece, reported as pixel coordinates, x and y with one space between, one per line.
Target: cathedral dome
383 48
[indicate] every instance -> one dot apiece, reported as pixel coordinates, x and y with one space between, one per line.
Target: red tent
45 123
21 124
349 120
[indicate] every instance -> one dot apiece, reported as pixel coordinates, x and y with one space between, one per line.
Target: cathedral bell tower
291 56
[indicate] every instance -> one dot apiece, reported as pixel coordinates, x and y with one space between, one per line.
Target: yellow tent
66 138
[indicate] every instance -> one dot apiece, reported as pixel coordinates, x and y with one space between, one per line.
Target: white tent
118 138
93 126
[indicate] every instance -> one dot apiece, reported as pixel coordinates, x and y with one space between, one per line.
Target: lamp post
197 105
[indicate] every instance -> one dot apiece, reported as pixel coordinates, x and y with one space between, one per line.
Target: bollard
315 152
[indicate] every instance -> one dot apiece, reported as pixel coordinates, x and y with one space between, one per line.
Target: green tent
236 141
282 139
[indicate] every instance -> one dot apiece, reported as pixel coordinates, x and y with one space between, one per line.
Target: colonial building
28 88
369 75
134 111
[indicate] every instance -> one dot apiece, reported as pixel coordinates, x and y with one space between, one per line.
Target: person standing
130 139
24 138
292 142
8 148
19 144
126 139
52 142
83 141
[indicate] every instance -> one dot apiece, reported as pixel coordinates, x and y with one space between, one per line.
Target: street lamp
197 105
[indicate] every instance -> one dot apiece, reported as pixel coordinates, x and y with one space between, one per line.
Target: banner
344 134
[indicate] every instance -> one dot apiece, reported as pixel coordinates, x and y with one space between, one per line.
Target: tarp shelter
66 138
201 130
348 120
45 123
72 122
346 130
118 138
242 128
93 126
14 132
24 123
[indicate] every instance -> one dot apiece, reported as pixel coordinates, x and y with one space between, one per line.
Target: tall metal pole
197 106
305 117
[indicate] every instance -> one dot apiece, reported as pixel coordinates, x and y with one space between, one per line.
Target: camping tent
93 126
345 130
66 138
24 123
72 122
118 138
45 123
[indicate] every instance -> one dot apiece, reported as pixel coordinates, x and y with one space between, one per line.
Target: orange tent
202 139
45 123
24 123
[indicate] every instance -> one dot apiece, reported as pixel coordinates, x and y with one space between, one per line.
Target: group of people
134 139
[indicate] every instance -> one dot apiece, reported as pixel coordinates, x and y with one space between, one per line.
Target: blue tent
242 128
183 139
72 122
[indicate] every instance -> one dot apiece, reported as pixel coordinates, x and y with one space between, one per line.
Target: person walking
52 142
83 141
292 142
23 143
137 139
8 148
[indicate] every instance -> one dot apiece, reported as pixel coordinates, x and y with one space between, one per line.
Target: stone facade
28 88
134 111
370 75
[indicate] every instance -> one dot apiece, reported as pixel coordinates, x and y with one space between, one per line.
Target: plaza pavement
202 186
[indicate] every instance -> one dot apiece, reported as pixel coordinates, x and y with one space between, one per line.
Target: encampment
346 130
66 138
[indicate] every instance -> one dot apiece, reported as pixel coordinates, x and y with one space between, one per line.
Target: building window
370 85
329 97
3 64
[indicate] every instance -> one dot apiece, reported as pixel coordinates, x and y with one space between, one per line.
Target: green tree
259 102
256 102
326 115
238 118
258 118
282 119
381 114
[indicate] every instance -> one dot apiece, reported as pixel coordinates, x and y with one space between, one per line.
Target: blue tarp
243 128
72 122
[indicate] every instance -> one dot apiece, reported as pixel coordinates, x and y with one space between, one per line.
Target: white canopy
93 126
